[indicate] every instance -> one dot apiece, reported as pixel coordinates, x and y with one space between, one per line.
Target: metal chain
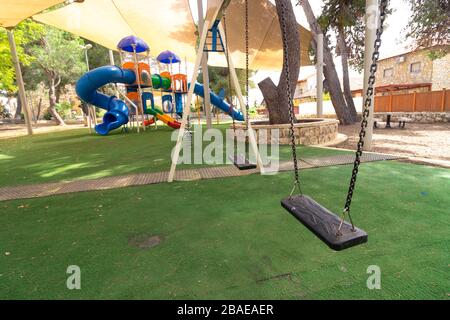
229 72
367 104
247 82
290 102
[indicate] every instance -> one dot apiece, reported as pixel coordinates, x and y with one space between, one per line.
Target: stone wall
419 117
313 132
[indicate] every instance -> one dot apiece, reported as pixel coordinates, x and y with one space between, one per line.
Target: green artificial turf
230 238
75 155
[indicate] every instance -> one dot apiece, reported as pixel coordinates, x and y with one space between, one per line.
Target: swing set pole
371 34
205 71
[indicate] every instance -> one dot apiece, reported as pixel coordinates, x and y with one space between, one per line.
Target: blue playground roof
168 57
127 43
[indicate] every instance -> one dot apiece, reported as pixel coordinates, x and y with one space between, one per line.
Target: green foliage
429 23
47 115
58 56
98 55
25 33
218 79
346 16
437 53
252 111
64 109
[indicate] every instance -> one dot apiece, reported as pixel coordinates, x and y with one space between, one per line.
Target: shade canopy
265 44
133 44
162 25
14 11
168 57
169 25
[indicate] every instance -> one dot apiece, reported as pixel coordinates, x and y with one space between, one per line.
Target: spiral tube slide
117 111
219 102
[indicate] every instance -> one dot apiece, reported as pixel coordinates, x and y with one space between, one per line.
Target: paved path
139 179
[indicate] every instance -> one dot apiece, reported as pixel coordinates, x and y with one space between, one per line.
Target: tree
429 23
58 60
98 55
275 96
219 79
24 33
346 19
332 80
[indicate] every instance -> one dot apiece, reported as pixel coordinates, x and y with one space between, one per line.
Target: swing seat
323 223
241 162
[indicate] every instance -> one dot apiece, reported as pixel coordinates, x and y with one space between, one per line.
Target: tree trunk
52 102
39 108
334 86
343 50
276 97
33 113
57 94
17 114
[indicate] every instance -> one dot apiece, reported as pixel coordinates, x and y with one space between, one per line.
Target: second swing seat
241 162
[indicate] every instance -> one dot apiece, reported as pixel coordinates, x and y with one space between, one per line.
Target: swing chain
247 82
290 102
229 73
367 104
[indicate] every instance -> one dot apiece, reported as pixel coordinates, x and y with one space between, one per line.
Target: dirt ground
17 130
430 141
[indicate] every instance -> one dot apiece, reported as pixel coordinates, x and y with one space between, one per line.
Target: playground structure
142 88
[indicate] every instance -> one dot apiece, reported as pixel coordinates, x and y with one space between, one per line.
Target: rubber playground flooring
230 239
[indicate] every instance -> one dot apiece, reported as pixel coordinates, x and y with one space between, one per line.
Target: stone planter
307 131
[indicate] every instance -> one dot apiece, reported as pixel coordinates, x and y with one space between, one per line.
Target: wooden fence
432 101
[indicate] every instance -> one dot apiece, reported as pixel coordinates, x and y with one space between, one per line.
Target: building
307 87
413 71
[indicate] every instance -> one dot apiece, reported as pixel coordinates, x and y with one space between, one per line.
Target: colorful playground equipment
142 89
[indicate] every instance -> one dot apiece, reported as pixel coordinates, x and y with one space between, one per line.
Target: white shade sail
163 26
265 44
169 25
14 11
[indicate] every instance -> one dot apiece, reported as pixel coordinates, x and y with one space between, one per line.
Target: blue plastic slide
117 110
219 102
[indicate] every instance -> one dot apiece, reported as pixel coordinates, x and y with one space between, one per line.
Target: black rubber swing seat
323 223
241 162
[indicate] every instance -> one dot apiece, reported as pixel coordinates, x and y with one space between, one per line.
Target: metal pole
111 57
319 68
19 80
87 59
370 31
92 111
206 97
139 90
